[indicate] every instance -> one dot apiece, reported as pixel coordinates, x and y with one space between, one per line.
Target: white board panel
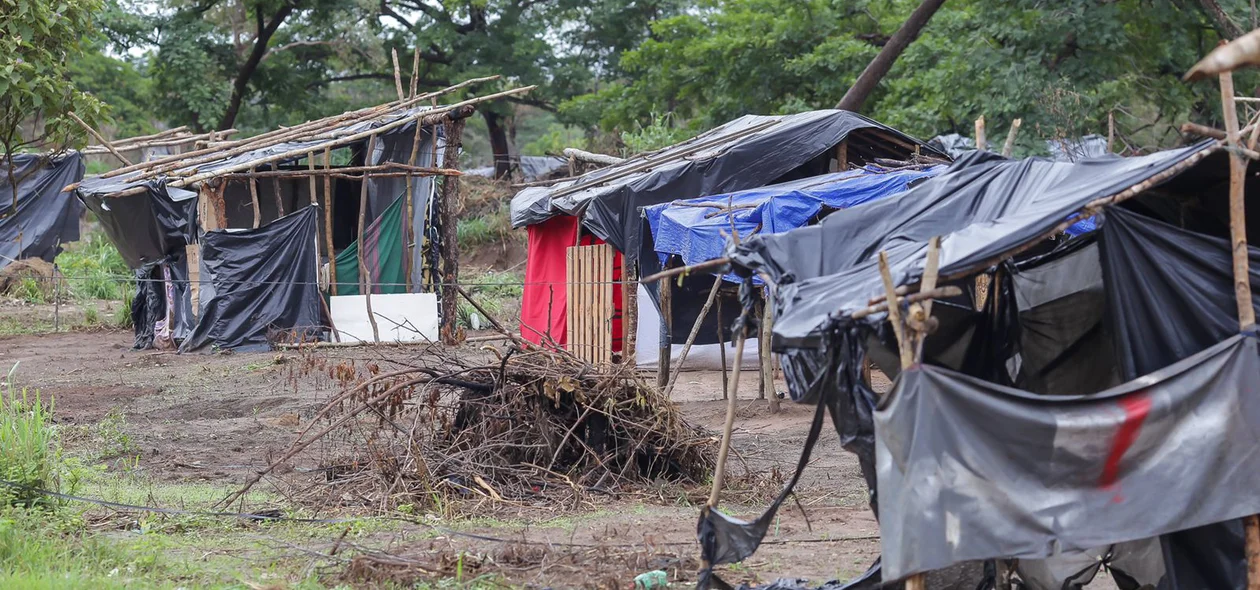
706 357
401 317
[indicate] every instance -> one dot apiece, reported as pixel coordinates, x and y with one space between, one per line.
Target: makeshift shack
37 219
1094 405
228 240
596 219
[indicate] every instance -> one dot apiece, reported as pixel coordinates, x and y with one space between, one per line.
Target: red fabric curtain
543 302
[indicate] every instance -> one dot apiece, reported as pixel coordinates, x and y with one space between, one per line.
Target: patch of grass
91 317
94 269
122 315
104 440
476 230
13 326
30 451
495 291
30 290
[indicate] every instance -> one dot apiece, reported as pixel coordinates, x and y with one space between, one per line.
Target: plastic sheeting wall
706 357
45 218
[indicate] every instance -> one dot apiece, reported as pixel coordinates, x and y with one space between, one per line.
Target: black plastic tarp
971 470
261 282
45 218
983 207
148 226
748 152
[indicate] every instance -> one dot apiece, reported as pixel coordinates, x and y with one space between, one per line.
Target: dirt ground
217 418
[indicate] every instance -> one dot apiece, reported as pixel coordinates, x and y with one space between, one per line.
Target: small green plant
30 451
91 317
658 133
485 229
30 291
122 315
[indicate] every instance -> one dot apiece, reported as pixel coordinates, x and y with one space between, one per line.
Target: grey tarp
982 207
45 218
749 152
970 470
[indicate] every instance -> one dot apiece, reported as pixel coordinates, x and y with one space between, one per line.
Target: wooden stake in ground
1242 281
1009 147
695 330
448 217
981 143
767 357
719 472
365 275
665 295
328 224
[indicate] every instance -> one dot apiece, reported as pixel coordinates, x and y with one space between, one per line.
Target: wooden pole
719 472
448 218
275 189
105 142
761 350
666 344
1111 131
328 224
253 196
409 233
629 311
921 312
767 356
415 70
695 330
981 144
894 310
365 275
1009 147
721 339
917 581
397 76
1242 281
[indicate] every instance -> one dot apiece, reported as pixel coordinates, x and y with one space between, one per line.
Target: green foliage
91 317
94 269
30 450
659 133
1060 66
121 86
30 290
103 440
37 38
122 315
485 229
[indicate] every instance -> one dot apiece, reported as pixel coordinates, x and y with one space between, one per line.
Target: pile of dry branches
518 425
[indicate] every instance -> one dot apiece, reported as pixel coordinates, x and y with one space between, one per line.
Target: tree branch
265 31
1224 25
878 68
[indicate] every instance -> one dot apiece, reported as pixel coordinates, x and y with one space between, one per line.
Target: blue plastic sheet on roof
697 229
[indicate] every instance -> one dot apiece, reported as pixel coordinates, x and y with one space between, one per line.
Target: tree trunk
449 243
265 32
878 68
498 143
1224 25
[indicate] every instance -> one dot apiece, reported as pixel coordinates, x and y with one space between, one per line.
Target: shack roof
748 152
286 144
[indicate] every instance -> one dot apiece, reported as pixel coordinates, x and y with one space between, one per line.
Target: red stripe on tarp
1136 407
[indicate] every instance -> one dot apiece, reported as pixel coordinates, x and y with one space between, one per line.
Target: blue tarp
697 232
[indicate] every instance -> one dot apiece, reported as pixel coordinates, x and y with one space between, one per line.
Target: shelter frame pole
719 472
767 356
365 275
691 338
666 288
917 581
275 188
1242 281
328 224
105 142
721 340
981 143
253 196
1009 147
409 234
629 309
448 218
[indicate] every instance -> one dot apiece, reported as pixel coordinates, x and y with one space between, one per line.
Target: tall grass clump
30 449
94 269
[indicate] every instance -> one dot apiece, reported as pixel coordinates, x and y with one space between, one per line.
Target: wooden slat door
590 307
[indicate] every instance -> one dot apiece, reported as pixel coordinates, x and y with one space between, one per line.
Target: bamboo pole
328 224
922 312
383 169
415 70
629 311
309 127
721 340
104 142
253 196
1009 147
691 338
1111 131
981 143
397 76
365 275
706 265
429 117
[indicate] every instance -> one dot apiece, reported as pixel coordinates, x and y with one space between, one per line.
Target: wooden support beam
365 275
415 70
665 296
448 218
767 356
253 196
98 137
1008 148
706 265
328 223
397 76
981 143
409 234
732 395
894 311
